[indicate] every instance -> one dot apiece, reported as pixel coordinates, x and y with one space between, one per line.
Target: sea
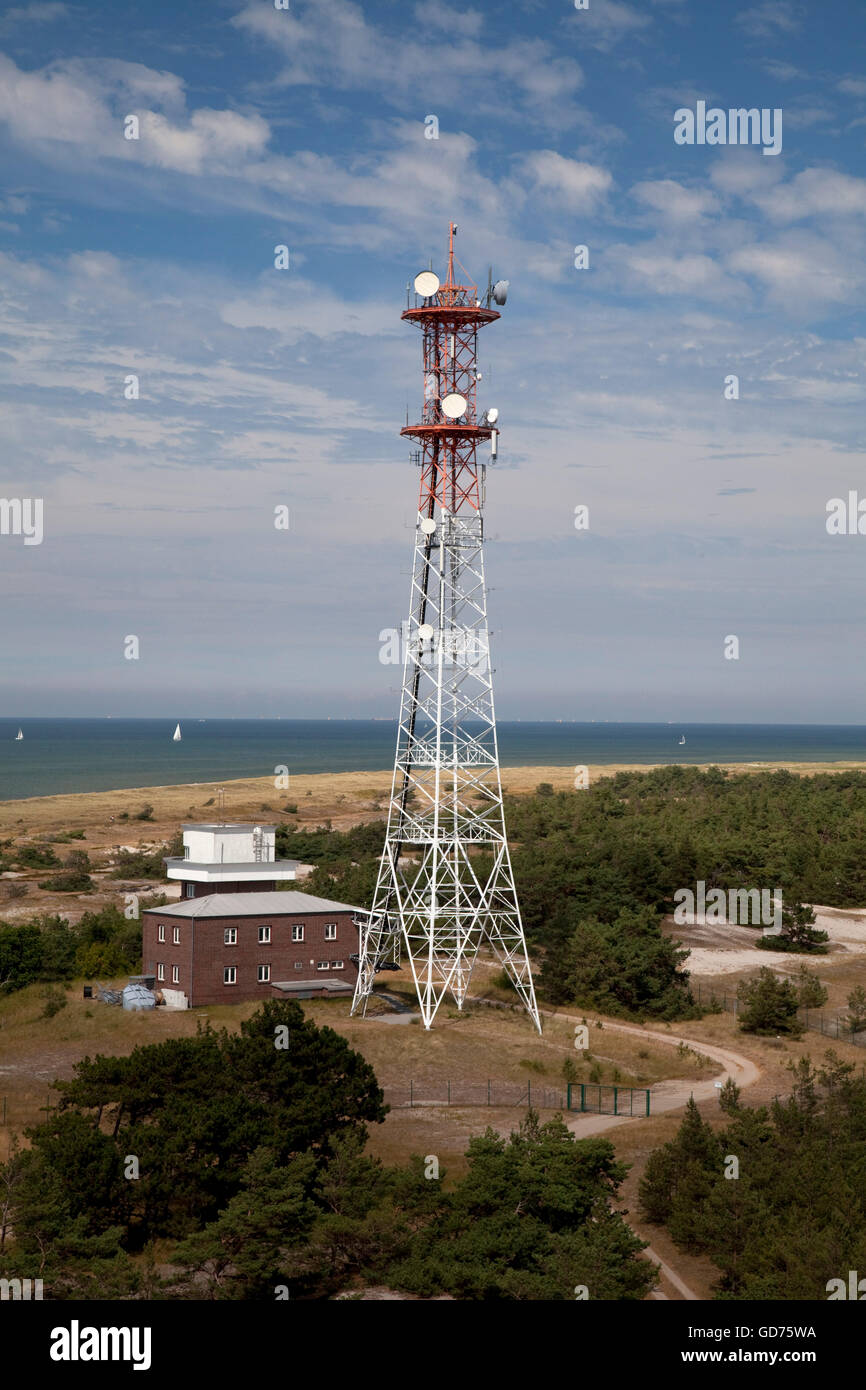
86 755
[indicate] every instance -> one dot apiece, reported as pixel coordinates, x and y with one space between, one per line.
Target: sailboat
19 735
682 739
176 736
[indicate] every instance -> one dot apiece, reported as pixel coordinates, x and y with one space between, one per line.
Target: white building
219 858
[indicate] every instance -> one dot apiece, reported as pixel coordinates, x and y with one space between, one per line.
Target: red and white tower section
445 881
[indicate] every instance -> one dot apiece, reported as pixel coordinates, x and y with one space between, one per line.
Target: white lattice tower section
445 881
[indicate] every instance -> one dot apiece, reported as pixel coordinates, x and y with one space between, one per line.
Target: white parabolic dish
454 405
426 283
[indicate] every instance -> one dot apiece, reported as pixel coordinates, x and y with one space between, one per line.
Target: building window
299 965
323 965
161 933
190 890
264 935
230 937
175 974
264 974
230 975
160 972
336 965
176 936
330 931
298 931
186 851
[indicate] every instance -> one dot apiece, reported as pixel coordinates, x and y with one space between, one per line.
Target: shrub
810 992
36 857
12 888
55 1000
768 1005
857 1009
73 882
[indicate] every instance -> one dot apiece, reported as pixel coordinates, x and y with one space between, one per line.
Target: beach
344 798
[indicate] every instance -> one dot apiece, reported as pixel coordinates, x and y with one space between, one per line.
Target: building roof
227 825
225 865
267 904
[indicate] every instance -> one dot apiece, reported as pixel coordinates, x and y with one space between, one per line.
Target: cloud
37 13
434 14
783 72
75 104
334 45
659 271
799 268
813 193
771 18
674 202
853 86
607 22
570 183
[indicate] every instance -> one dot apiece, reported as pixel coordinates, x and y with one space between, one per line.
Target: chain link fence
505 1093
831 1025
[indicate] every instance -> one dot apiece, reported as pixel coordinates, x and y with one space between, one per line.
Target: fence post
568 1096
647 1101
614 1099
582 1097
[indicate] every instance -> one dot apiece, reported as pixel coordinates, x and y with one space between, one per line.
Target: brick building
236 945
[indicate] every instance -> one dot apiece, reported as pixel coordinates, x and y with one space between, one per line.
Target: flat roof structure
268 904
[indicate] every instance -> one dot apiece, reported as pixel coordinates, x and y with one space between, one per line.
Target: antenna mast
445 880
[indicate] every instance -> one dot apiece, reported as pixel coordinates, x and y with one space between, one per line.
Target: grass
479 1044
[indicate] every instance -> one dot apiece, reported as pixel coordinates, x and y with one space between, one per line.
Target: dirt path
671 1095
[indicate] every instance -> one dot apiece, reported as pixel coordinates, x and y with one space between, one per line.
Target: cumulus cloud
674 202
571 183
334 44
813 193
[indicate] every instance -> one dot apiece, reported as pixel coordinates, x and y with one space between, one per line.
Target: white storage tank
138 997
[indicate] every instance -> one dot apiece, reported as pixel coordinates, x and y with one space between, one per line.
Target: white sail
20 734
177 735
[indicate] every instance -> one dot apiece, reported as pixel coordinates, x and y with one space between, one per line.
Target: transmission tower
445 880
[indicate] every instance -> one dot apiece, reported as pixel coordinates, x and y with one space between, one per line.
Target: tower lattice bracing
445 880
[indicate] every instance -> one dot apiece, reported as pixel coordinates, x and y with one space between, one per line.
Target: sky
259 387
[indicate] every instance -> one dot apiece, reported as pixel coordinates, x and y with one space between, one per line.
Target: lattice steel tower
445 879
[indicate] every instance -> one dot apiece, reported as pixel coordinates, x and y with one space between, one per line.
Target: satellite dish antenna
492 415
426 283
426 633
454 405
500 291
428 526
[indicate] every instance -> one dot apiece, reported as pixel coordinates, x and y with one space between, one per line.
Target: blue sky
259 387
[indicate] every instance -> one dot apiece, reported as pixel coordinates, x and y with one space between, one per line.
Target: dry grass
481 1043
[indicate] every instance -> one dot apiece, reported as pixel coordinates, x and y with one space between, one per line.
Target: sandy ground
344 794
725 949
